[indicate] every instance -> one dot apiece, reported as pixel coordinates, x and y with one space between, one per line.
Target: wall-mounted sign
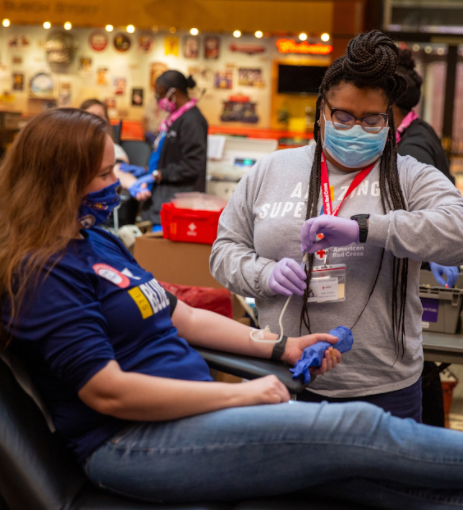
41 85
239 108
291 46
98 41
59 48
171 45
122 42
249 49
19 42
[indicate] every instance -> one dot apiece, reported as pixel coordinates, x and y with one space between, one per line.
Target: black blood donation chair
37 472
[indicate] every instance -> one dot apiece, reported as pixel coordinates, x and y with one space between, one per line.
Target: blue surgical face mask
354 148
98 205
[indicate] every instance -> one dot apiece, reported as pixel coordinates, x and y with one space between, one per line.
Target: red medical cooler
189 225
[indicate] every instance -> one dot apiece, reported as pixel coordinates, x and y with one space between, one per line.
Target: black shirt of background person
421 141
182 164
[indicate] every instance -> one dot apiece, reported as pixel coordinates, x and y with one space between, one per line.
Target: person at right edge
381 215
417 138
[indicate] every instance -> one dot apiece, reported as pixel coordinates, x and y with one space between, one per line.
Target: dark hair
42 181
406 68
370 61
176 80
91 102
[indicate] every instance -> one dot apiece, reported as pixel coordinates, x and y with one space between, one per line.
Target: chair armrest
250 368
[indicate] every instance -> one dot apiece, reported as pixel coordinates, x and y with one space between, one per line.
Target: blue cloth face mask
354 148
98 205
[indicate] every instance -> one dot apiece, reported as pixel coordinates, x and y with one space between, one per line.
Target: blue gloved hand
336 232
451 272
141 185
313 355
136 171
288 278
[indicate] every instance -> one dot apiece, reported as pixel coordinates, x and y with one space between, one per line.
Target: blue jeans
353 451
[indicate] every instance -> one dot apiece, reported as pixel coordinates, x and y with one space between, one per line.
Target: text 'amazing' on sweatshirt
262 223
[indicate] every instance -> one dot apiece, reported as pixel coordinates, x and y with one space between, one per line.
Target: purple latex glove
136 171
451 272
336 231
288 278
139 186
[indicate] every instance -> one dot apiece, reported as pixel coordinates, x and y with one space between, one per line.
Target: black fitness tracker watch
279 349
361 219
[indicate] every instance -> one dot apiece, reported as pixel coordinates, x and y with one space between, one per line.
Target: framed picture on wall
156 69
102 76
250 77
223 79
211 47
85 66
137 97
190 47
119 86
18 81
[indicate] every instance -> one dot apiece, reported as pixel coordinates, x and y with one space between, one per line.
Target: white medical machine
228 160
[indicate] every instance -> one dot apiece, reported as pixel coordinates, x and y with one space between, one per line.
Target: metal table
443 347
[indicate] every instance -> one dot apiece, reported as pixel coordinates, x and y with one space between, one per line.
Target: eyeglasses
343 120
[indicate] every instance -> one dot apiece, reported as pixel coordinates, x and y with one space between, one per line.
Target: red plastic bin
189 225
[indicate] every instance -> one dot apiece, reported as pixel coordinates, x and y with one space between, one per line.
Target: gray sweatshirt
262 223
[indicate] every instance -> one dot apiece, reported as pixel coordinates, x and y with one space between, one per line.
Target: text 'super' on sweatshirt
262 223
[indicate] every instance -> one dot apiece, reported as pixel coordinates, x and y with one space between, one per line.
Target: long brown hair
42 182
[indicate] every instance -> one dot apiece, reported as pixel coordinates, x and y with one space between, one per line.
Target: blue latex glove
136 171
288 278
138 186
336 232
451 272
313 355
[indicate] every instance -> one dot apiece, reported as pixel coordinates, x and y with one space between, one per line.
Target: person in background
178 162
99 108
153 117
417 138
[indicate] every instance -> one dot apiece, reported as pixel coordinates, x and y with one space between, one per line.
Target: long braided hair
370 61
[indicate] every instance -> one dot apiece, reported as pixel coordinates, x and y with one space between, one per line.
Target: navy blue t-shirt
97 305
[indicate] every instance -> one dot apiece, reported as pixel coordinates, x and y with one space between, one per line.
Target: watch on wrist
279 349
362 220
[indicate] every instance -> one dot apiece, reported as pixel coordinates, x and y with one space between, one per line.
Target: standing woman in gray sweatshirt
365 216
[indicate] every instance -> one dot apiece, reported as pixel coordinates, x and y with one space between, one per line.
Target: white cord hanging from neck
280 320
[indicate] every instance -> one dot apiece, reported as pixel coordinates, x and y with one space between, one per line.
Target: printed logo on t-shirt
112 275
150 298
128 273
297 209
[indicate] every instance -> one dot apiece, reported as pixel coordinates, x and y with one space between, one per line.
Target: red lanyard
326 192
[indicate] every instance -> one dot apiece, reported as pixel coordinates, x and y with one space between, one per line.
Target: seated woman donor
111 352
351 203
